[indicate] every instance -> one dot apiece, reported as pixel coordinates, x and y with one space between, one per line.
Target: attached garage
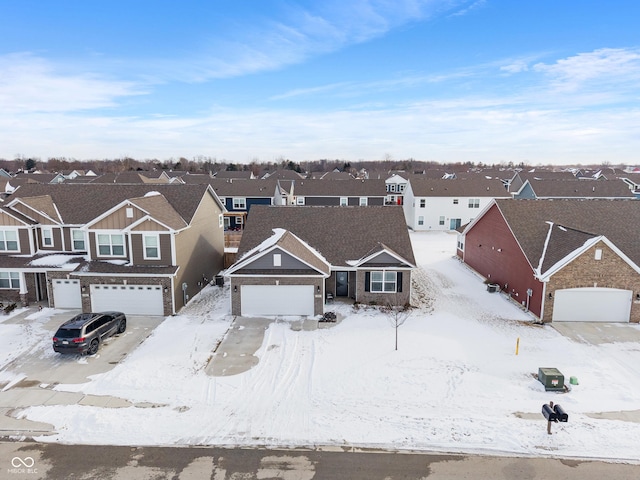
130 299
271 300
592 305
66 293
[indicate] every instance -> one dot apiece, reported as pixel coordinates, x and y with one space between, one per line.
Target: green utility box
552 379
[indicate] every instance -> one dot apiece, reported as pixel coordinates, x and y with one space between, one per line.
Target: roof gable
286 241
340 234
529 222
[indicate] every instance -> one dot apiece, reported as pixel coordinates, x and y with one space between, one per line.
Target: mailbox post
554 413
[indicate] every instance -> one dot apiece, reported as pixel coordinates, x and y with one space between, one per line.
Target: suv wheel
93 347
122 326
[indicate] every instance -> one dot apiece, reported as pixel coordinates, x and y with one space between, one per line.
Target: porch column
23 290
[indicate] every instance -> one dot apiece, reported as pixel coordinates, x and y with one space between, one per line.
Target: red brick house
563 260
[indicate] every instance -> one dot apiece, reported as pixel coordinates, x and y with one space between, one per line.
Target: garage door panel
272 300
130 299
592 305
66 293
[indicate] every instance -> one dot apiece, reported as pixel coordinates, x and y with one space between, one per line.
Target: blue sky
492 81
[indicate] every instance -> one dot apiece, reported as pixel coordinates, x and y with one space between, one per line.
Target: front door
342 284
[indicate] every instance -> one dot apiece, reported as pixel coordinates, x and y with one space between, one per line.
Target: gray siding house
294 259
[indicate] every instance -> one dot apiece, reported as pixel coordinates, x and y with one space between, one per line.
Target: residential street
455 384
63 462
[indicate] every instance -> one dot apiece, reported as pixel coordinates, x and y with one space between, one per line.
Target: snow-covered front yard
455 383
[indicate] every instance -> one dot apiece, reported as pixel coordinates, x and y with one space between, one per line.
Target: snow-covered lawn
455 383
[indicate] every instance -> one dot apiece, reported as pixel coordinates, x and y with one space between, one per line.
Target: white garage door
130 299
66 293
592 305
277 300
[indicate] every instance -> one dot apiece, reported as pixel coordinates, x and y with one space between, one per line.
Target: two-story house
142 249
238 196
311 192
446 204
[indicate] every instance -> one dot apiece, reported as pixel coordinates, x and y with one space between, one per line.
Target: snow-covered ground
455 383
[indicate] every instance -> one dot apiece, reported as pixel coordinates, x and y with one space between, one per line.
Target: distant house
611 189
239 196
563 260
141 249
332 193
395 186
445 204
293 259
519 178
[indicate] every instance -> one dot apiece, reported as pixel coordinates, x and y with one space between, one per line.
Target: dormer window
277 260
598 254
129 212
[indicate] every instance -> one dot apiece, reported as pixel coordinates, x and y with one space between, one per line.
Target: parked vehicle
85 332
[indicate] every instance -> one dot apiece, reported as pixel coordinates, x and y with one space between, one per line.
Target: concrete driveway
36 373
596 333
236 352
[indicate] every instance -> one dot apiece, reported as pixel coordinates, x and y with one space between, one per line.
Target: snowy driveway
454 384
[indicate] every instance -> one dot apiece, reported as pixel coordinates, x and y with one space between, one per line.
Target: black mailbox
549 413
561 415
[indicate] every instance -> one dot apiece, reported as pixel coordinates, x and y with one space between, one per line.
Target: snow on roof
269 242
152 193
56 260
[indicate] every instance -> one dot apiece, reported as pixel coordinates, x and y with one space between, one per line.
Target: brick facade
611 271
397 298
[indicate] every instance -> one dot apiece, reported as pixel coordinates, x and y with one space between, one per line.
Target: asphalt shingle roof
583 218
581 189
81 203
340 234
465 187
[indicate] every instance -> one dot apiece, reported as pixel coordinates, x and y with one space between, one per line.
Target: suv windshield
68 333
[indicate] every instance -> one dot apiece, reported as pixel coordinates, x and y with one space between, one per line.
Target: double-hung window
10 280
151 247
77 238
110 244
300 201
8 241
344 201
423 202
47 237
384 281
239 203
474 203
364 201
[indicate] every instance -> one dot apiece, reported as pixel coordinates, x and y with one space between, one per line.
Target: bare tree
397 315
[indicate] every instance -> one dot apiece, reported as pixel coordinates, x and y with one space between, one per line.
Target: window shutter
399 282
367 281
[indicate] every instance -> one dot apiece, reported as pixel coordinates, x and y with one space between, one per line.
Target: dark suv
85 332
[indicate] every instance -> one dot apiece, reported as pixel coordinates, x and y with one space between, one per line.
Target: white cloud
613 66
296 35
31 84
468 9
515 67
